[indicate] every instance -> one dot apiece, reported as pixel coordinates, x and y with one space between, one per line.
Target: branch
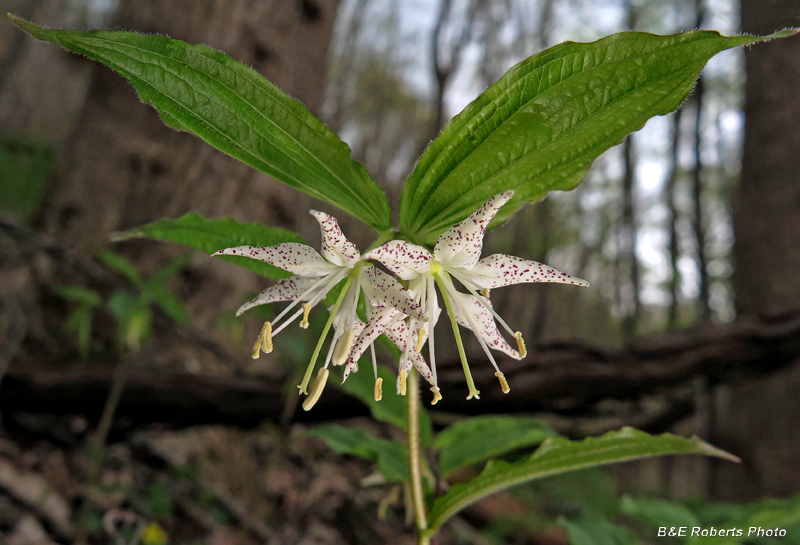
565 379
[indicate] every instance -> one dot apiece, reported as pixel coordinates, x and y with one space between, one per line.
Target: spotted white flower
314 276
457 255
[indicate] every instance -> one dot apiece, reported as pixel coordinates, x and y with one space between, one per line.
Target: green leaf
541 126
477 439
659 512
168 302
390 455
26 168
121 265
82 296
209 236
79 322
392 408
592 529
557 456
236 110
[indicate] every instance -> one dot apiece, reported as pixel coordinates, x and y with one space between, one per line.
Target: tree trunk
758 421
126 168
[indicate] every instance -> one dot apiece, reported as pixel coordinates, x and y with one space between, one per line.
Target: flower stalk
414 457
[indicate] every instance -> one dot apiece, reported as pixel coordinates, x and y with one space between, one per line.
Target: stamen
520 344
343 347
420 338
403 383
378 393
316 389
266 338
431 301
485 292
436 395
306 311
257 348
503 382
310 369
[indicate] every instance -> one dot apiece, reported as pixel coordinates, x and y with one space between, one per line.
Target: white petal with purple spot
296 258
335 246
504 270
403 258
461 245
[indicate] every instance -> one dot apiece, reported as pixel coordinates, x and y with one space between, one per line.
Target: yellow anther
485 292
343 347
257 348
436 395
316 390
306 311
474 393
266 338
403 384
521 344
420 338
503 382
378 389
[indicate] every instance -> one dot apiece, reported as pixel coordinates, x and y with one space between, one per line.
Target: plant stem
414 461
110 407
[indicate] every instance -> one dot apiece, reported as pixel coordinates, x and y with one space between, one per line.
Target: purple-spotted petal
403 258
378 320
287 289
483 319
398 334
504 270
335 246
298 259
384 290
461 245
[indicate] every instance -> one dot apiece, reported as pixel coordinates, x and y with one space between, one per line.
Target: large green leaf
236 110
390 455
541 126
479 438
209 236
557 455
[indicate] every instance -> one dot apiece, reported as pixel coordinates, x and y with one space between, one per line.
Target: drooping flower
314 276
457 255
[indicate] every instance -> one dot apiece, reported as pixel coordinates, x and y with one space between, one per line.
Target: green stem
473 392
310 369
414 460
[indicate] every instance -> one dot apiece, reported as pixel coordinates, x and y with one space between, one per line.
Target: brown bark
126 168
759 420
766 221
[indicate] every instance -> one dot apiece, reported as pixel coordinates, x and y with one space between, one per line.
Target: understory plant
538 129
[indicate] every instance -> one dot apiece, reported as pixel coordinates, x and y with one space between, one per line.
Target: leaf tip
785 33
710 450
31 28
119 236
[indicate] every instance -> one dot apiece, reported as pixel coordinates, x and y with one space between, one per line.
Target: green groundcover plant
538 129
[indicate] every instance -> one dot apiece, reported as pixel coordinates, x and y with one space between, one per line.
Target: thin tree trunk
629 266
758 421
698 224
674 248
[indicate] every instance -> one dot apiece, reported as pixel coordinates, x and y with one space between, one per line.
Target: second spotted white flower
457 255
